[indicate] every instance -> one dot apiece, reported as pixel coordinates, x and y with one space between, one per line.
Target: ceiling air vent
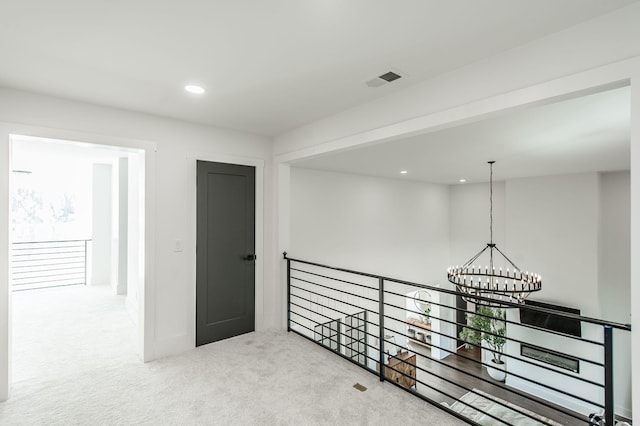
383 79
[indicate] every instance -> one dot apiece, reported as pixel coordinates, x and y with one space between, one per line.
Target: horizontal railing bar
327 297
449 410
491 382
51 281
439 405
23 249
57 250
46 276
581 339
337 279
519 359
44 255
45 286
511 373
472 390
504 387
328 348
515 357
334 289
529 326
506 304
338 333
48 258
497 335
75 262
447 291
48 241
49 247
450 322
332 319
49 269
416 392
327 307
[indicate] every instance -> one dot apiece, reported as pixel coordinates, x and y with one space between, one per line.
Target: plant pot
497 371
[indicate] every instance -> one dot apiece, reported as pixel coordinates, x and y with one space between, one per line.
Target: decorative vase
497 371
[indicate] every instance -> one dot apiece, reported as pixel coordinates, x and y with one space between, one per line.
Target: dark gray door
225 260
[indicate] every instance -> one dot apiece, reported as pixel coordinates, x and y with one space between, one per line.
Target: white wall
179 144
614 261
383 226
135 235
614 273
101 212
121 218
635 233
552 229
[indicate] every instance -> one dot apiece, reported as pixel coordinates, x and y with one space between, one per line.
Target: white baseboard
560 399
623 411
551 396
173 346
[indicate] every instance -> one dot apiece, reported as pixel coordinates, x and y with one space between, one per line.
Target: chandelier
499 280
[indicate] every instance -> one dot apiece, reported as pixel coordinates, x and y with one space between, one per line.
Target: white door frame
146 292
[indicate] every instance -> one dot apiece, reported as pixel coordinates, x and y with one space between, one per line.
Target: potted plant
488 325
427 315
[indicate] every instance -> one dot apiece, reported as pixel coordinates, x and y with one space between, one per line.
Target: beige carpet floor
75 366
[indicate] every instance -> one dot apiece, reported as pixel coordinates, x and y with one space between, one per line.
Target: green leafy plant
427 314
488 325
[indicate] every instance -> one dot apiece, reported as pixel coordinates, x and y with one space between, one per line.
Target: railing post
381 326
288 293
609 410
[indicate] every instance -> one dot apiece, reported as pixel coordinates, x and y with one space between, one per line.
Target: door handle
251 257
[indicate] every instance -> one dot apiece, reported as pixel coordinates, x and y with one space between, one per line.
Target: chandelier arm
473 259
508 260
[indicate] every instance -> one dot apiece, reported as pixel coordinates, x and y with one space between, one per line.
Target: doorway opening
76 257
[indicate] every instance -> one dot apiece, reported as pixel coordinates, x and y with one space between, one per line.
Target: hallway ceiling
268 66
585 134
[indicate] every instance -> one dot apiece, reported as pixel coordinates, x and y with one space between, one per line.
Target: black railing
42 264
567 376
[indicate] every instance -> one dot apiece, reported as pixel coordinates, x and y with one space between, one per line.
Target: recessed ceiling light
462 180
198 90
403 172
